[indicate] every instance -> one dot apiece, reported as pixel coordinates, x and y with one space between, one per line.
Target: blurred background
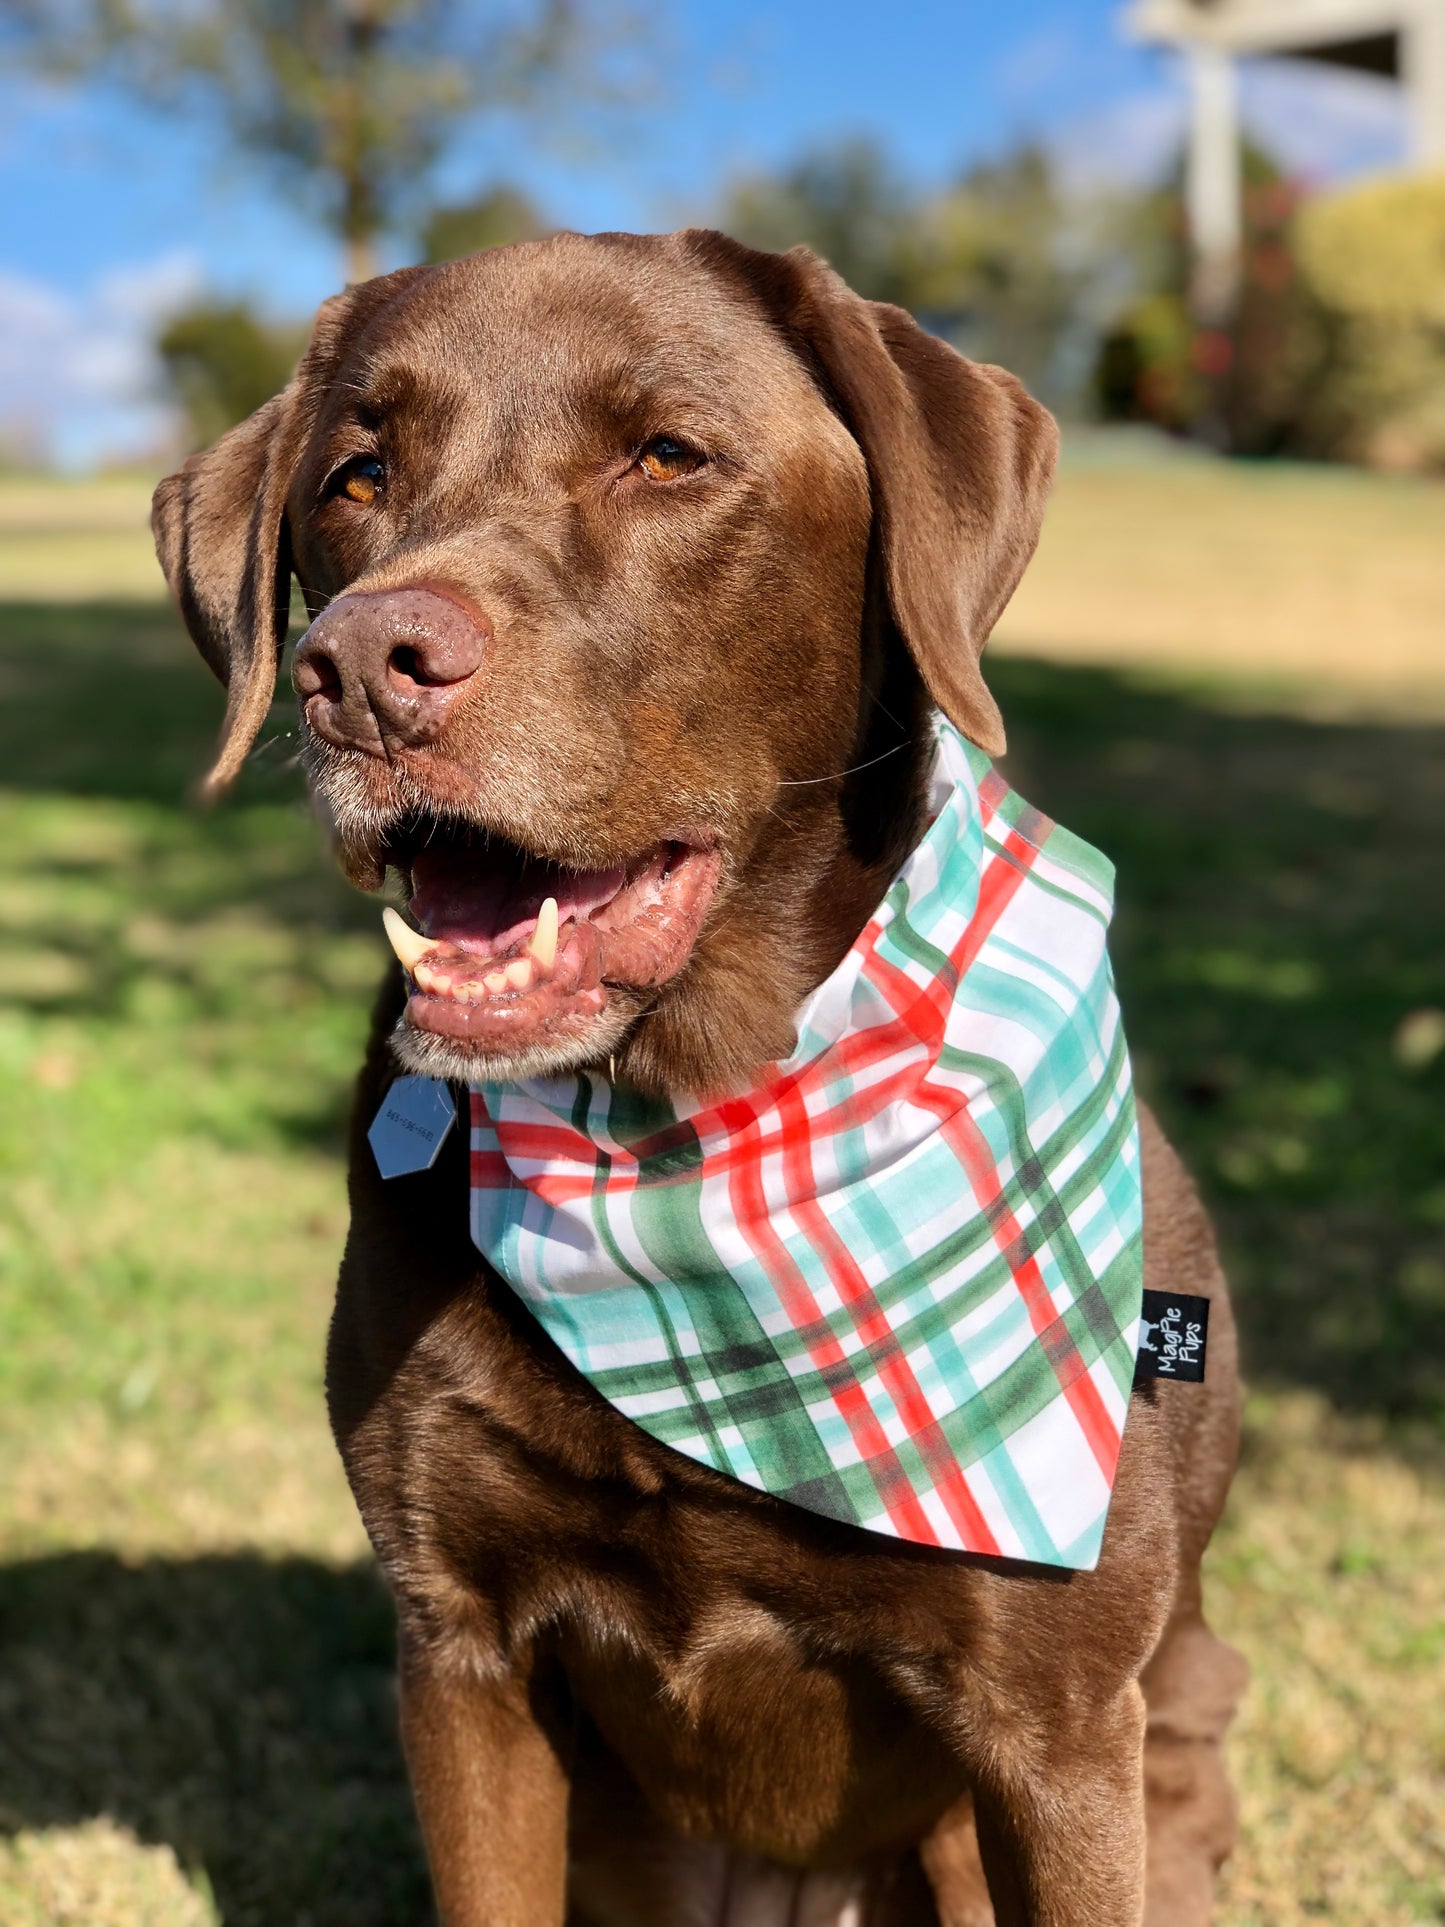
1211 234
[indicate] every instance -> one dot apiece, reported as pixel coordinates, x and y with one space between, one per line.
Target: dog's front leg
1061 1820
491 1793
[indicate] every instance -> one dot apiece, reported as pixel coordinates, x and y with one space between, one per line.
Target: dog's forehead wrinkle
520 342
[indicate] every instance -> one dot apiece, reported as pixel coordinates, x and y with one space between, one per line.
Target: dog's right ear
220 528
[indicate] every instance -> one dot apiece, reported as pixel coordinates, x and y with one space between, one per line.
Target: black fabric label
1172 1337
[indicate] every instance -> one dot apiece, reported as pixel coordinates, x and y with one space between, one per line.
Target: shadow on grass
1282 914
238 1710
142 921
110 699
1280 950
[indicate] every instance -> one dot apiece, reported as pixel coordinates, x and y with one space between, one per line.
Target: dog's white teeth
409 945
519 974
543 942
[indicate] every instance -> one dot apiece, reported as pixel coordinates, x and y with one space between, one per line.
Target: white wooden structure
1401 39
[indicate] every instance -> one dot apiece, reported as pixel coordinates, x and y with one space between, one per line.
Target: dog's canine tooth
543 942
409 945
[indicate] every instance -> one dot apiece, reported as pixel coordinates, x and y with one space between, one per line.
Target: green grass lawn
196 1713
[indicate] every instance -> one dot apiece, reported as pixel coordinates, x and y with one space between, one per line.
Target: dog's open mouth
516 950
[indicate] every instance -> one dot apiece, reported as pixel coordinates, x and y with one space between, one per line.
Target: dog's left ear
960 460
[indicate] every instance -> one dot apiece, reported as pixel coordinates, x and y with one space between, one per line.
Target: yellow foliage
1377 251
1374 258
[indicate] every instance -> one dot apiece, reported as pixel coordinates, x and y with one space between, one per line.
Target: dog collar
898 1280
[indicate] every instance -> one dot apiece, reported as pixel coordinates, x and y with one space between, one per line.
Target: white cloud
1035 63
1127 143
1323 123
78 376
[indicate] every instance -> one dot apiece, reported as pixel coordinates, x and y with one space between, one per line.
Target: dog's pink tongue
459 900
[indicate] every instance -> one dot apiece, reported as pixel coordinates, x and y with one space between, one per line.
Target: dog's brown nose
381 672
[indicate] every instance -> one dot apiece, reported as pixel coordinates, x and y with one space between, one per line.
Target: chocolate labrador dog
637 568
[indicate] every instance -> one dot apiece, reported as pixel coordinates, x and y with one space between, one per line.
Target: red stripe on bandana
971 1148
750 1210
999 882
490 1170
870 1321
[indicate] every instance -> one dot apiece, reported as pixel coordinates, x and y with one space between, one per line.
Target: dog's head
635 566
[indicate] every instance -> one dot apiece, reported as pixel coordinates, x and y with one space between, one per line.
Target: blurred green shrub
221 361
1145 369
991 264
1336 348
846 202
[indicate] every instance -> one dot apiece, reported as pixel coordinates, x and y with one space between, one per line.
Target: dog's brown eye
664 459
360 481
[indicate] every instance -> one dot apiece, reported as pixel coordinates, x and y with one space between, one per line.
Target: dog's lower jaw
426 1054
684 1037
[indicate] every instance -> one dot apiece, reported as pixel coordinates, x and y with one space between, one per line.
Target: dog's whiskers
802 782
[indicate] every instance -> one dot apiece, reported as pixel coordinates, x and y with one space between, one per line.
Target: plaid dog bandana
898 1281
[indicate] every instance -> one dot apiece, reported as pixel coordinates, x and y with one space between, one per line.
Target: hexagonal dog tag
411 1126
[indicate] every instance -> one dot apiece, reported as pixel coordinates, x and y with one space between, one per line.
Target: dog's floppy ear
960 459
219 525
220 530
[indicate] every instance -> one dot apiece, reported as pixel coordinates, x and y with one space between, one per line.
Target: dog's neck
816 877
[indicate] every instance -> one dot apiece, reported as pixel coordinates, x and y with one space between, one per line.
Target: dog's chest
722 1659
736 1730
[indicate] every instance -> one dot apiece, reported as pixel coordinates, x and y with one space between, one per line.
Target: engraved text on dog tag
411 1126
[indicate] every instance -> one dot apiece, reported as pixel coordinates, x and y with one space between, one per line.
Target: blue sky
109 215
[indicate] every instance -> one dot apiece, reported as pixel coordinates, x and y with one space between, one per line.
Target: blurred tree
1244 387
222 361
491 221
845 202
983 263
988 263
351 102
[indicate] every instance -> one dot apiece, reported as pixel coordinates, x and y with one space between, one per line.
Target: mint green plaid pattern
898 1281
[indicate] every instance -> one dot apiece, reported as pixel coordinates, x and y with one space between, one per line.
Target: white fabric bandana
897 1281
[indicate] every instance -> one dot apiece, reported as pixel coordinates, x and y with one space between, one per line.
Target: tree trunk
361 261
